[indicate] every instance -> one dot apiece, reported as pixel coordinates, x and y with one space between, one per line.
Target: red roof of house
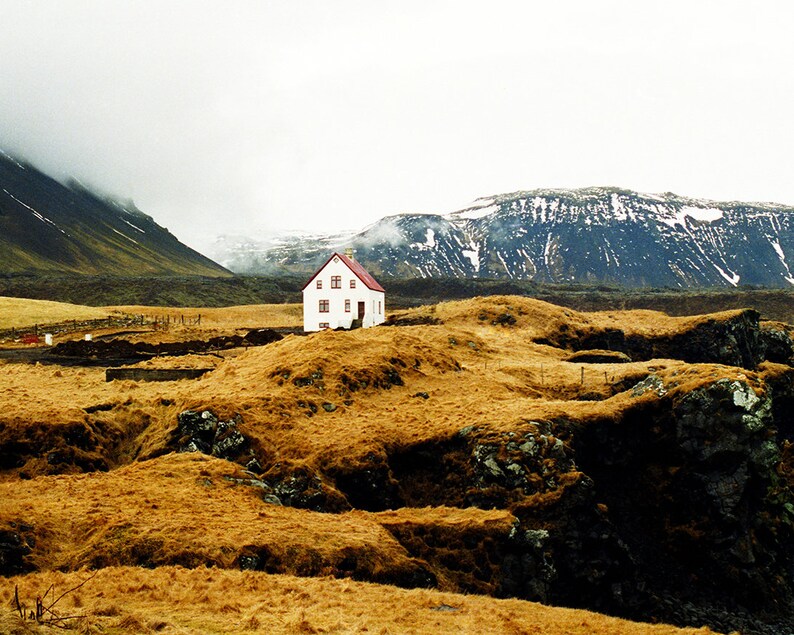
361 273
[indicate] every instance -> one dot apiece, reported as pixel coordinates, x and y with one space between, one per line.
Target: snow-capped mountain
589 235
276 253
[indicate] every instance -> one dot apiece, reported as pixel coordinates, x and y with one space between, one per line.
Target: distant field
773 304
248 316
18 312
22 313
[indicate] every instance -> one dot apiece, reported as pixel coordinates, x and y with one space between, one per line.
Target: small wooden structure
155 374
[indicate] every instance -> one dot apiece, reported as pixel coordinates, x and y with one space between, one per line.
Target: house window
319 284
325 325
347 306
379 311
336 282
324 306
352 284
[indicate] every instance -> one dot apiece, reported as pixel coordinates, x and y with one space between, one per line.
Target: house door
361 310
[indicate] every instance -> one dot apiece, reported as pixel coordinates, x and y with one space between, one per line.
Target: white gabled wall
374 301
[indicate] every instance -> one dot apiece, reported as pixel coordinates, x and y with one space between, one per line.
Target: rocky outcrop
297 485
733 341
481 468
492 558
692 487
674 511
777 345
204 432
675 507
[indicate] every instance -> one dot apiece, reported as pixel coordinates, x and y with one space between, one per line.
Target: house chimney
349 253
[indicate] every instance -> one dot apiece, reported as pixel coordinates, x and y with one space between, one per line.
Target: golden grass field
175 600
19 312
228 318
173 324
184 510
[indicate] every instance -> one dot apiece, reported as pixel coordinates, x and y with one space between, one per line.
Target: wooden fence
32 334
164 321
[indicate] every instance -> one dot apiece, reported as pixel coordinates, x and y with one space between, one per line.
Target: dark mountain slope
47 227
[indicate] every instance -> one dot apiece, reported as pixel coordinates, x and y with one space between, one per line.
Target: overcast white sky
229 117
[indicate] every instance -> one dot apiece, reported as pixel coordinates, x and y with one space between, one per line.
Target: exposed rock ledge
670 509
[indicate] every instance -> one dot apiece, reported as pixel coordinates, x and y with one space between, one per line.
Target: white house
342 291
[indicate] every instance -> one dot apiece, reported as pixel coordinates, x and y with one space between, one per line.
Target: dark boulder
204 432
296 485
197 431
16 540
777 344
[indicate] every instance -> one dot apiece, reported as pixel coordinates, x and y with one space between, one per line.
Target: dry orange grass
233 317
173 600
183 324
20 312
538 319
474 373
181 509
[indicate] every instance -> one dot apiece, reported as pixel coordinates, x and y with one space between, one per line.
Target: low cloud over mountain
47 228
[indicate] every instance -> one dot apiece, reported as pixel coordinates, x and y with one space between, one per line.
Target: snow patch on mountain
123 235
13 160
475 212
704 215
678 217
473 255
732 278
618 209
39 216
135 227
779 251
554 235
